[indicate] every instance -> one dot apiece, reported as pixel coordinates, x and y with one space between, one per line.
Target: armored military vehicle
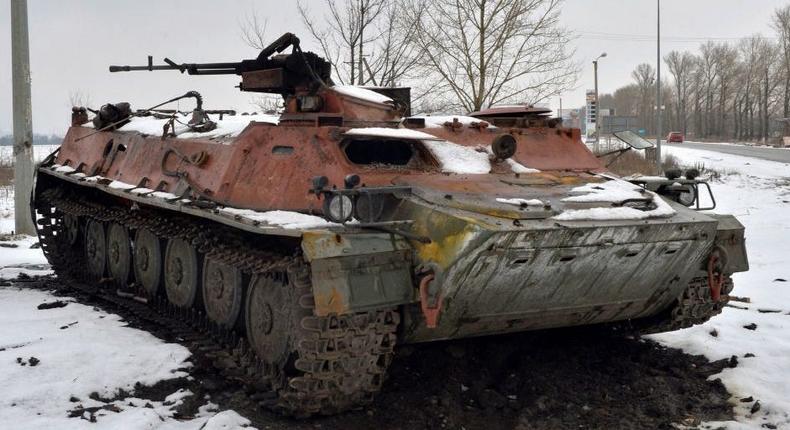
328 234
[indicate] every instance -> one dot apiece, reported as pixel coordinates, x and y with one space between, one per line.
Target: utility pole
597 108
658 86
361 41
23 119
559 113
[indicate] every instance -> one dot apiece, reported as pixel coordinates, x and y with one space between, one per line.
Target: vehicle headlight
687 196
338 207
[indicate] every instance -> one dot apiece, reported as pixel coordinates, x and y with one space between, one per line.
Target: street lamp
597 107
658 86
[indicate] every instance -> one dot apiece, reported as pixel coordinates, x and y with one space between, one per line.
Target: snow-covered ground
758 193
58 361
39 153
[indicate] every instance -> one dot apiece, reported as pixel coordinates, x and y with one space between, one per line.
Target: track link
335 363
694 306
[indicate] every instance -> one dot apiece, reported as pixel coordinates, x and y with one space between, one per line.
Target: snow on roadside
78 350
759 196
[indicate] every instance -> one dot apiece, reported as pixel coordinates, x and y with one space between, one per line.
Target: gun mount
268 73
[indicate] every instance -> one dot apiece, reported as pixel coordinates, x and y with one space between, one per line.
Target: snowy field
55 362
92 353
6 190
759 195
39 153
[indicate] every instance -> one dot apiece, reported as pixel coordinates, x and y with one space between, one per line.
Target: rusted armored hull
498 268
325 235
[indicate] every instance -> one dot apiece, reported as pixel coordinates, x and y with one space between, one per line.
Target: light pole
658 86
597 108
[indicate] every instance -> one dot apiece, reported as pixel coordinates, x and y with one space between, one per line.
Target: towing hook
430 301
717 263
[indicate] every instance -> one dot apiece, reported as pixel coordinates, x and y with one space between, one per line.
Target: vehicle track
336 362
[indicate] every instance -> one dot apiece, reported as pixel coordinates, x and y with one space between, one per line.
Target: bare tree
759 77
681 66
488 52
394 56
645 77
253 30
710 76
726 63
781 23
348 27
253 33
79 98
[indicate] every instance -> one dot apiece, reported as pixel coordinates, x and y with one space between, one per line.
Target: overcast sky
72 43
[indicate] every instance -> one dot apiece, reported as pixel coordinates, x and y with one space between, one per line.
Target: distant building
610 123
591 112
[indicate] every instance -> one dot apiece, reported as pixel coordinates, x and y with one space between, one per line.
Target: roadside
780 155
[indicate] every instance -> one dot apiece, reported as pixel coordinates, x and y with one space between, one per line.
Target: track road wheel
315 364
70 229
119 254
182 273
222 292
148 261
95 249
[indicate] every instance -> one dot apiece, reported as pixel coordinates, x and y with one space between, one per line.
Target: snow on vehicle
333 232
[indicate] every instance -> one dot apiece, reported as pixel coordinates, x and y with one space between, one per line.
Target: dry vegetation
633 162
6 175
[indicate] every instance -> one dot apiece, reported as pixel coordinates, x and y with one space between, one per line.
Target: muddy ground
583 378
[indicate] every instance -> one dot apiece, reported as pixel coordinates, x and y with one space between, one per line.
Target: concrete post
23 118
658 86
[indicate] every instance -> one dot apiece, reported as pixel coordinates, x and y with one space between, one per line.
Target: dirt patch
6 175
187 409
581 378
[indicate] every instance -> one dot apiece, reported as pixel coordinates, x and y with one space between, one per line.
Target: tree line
455 54
725 90
38 139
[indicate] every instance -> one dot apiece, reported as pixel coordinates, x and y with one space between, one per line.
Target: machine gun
268 73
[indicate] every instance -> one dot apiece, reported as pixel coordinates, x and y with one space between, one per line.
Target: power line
597 35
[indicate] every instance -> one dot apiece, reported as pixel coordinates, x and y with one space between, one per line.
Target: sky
73 42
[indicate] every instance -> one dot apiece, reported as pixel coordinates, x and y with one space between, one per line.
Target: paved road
765 153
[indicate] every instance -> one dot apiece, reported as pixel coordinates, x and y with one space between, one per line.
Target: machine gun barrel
190 68
267 73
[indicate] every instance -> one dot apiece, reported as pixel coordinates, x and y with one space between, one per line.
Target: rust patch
329 302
